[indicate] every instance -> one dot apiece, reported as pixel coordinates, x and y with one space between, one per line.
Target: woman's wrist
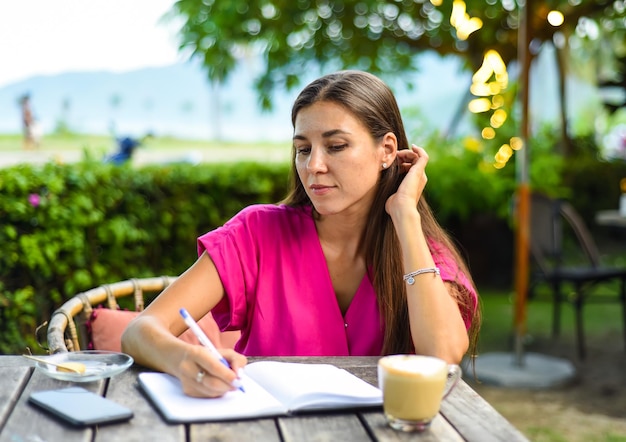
406 221
415 251
404 212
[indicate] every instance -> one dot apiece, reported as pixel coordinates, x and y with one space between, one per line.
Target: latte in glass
413 387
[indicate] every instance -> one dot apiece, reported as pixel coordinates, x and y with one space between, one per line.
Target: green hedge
68 228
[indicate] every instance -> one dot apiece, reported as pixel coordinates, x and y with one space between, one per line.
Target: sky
53 36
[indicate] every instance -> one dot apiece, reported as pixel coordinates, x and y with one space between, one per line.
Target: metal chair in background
567 258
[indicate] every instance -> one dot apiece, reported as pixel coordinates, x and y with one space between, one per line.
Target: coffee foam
414 364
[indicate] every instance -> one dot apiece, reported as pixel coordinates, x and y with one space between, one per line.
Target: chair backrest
552 223
67 330
72 324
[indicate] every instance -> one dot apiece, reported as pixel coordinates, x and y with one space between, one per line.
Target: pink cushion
108 325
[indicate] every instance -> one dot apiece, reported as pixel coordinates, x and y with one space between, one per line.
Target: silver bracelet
409 277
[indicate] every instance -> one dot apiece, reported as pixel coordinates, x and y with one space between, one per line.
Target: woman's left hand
412 162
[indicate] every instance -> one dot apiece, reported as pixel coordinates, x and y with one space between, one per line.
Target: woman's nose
317 161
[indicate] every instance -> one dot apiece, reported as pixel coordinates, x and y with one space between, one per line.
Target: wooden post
523 189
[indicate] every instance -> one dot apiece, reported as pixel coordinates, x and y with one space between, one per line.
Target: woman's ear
389 145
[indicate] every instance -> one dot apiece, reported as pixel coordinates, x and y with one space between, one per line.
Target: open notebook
271 389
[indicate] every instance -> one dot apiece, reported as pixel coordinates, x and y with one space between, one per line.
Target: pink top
279 292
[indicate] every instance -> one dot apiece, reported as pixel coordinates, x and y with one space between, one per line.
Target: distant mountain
178 100
175 100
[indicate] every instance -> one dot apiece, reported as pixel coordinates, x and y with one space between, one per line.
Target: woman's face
337 159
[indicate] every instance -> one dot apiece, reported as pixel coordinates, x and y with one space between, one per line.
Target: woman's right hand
413 164
203 375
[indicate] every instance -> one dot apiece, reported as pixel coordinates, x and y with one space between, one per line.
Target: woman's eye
338 147
302 150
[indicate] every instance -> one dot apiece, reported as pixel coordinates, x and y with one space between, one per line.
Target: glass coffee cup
413 387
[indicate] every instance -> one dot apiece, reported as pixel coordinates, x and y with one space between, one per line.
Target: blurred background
494 89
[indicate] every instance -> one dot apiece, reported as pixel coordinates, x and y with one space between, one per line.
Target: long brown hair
371 101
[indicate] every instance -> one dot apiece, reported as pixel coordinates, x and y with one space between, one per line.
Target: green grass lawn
79 142
591 408
497 329
74 147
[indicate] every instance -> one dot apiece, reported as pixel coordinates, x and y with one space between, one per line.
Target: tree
381 36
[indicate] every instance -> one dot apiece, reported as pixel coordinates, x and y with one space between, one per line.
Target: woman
322 273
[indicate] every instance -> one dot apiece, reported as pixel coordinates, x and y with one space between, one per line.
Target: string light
479 105
555 18
462 22
490 80
488 133
488 83
516 143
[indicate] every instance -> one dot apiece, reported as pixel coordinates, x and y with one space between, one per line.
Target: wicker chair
68 327
71 324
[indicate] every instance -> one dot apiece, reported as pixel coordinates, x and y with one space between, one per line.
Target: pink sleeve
232 249
450 272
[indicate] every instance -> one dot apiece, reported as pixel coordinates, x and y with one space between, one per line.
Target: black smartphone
80 407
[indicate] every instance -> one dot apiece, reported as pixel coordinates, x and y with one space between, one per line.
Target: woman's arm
152 338
436 322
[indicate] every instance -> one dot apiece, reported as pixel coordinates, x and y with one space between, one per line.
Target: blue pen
206 342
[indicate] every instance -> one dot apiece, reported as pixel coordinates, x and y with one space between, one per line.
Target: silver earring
384 165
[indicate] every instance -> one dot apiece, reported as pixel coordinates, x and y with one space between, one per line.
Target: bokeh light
555 18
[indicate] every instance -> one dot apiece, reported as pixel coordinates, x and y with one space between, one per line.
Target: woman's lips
318 189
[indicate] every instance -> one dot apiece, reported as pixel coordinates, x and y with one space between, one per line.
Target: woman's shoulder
269 222
262 223
273 212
